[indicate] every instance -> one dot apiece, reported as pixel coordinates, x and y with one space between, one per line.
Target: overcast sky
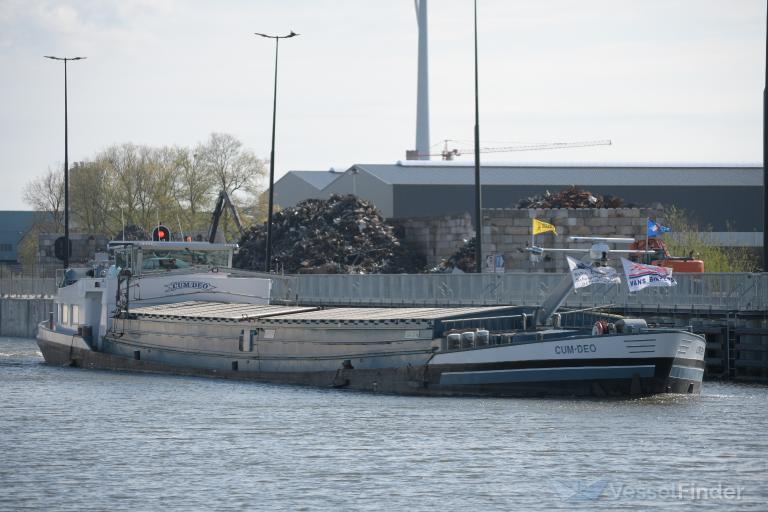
665 80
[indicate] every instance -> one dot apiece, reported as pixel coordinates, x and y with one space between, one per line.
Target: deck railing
699 292
715 291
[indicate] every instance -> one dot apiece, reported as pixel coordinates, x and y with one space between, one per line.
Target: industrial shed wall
367 187
291 190
736 208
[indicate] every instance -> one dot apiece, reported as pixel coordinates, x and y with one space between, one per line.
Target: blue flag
656 229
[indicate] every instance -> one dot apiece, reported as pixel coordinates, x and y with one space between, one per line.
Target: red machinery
662 257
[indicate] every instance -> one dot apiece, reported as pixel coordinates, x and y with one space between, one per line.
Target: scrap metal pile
572 197
342 234
463 260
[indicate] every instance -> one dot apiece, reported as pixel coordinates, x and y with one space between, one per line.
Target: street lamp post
478 190
765 161
66 159
268 264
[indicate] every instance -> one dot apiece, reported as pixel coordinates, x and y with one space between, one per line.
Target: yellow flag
542 227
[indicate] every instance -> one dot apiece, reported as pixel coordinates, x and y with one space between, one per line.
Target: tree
234 169
125 177
162 183
45 194
141 183
193 187
688 238
90 198
144 185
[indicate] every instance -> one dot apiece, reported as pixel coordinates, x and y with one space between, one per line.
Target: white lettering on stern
580 348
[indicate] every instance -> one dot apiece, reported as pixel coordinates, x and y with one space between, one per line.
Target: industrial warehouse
725 198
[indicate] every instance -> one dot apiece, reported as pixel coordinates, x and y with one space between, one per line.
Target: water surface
73 439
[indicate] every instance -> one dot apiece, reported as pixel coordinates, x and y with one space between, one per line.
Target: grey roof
318 179
206 310
215 310
361 314
456 173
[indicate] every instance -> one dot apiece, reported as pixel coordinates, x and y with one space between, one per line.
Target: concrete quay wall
19 316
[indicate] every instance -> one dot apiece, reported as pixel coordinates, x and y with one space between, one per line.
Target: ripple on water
91 440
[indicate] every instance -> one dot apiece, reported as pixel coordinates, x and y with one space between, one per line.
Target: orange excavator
662 258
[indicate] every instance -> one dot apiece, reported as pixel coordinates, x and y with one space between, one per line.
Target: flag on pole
585 275
656 229
542 227
641 276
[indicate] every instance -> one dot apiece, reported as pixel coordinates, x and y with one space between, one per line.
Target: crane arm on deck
222 202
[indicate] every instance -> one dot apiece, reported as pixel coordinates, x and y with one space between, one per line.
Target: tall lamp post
66 159
765 159
478 191
268 264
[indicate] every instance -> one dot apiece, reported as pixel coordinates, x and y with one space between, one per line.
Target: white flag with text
584 274
641 276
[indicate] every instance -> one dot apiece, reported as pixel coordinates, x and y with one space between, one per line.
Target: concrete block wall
509 230
438 237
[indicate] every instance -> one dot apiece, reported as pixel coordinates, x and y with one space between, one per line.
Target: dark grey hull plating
595 377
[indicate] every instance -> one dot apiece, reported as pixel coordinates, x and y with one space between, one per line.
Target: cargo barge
180 308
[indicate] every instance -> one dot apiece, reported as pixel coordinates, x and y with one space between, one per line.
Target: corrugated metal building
723 197
297 186
14 224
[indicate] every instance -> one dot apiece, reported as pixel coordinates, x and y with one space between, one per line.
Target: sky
667 81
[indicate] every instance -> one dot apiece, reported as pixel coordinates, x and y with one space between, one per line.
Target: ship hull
494 371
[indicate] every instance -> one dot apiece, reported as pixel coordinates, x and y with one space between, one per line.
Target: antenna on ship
180 228
598 252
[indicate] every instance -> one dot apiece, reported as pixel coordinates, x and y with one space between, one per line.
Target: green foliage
143 185
689 237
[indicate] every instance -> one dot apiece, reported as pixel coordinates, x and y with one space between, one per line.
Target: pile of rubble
572 197
463 260
342 234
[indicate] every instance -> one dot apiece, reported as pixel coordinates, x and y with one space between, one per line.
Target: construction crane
450 154
221 202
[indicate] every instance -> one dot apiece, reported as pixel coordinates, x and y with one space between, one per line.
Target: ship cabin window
125 257
69 314
184 258
159 257
166 262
